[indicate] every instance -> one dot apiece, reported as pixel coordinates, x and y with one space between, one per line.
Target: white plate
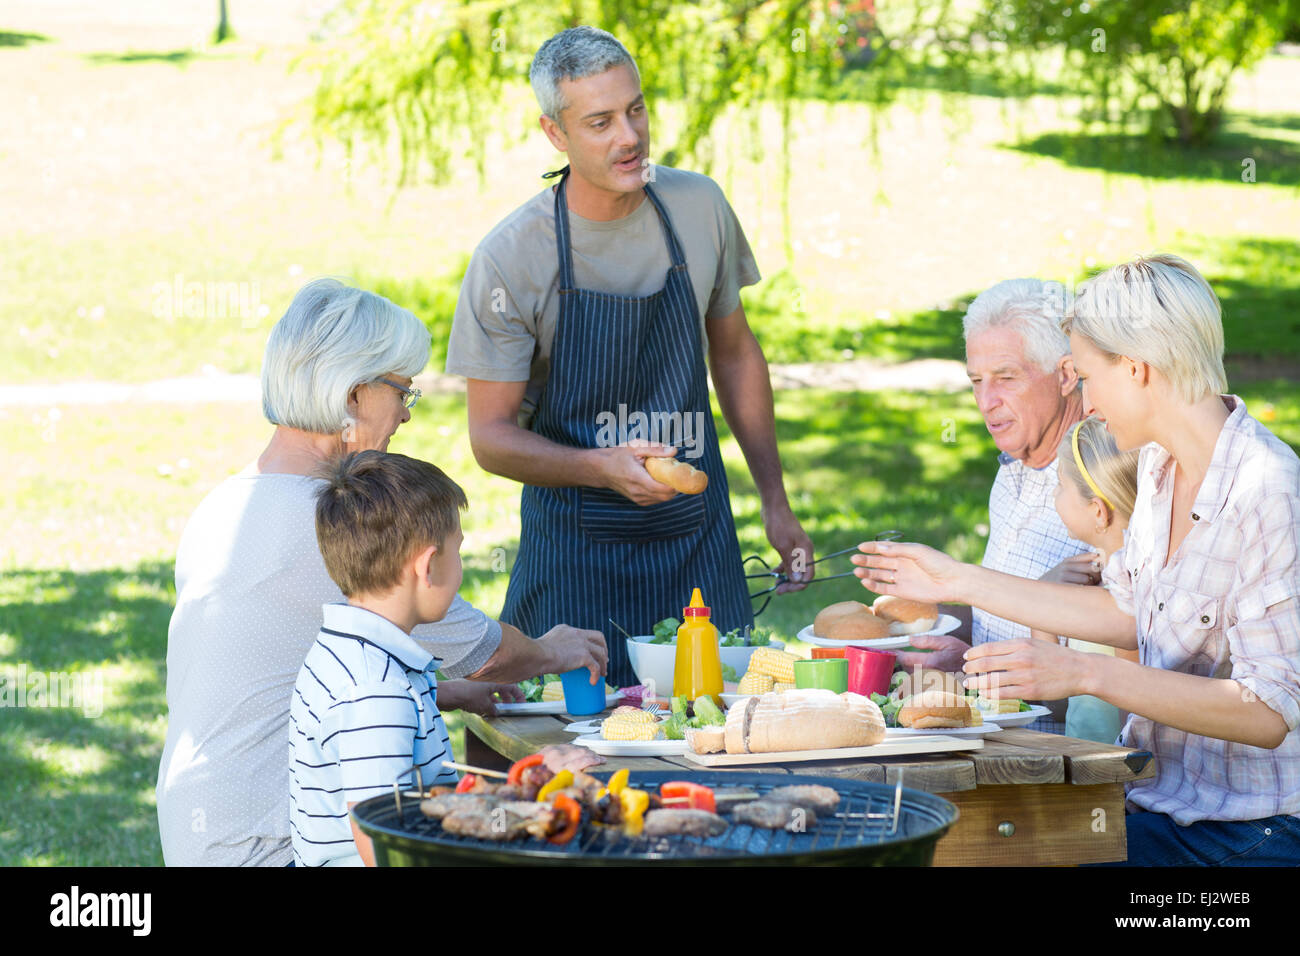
945 624
978 731
632 748
549 706
730 700
1020 719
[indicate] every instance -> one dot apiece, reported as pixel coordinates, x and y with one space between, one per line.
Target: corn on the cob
780 687
623 728
755 683
553 691
776 664
634 714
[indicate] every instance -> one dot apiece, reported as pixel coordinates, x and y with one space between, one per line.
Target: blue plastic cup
581 697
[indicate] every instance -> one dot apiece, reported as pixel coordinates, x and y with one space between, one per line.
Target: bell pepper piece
561 780
618 782
573 812
519 766
467 783
698 796
635 804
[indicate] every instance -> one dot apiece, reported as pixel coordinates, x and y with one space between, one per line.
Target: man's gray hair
571 55
1032 307
331 339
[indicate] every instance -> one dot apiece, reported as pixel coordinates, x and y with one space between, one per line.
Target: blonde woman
1095 491
1206 587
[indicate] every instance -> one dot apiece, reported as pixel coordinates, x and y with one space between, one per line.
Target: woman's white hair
571 55
1032 307
331 339
1159 310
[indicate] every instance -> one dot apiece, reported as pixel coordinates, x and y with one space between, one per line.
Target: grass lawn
153 228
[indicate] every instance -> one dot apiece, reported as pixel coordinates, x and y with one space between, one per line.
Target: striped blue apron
589 555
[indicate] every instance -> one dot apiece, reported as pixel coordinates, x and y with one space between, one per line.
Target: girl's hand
1079 569
910 571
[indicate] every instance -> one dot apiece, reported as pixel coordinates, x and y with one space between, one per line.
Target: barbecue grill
874 825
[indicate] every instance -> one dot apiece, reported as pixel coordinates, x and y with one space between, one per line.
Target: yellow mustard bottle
697 670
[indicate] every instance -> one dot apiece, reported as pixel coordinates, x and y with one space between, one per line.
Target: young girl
1095 489
1206 587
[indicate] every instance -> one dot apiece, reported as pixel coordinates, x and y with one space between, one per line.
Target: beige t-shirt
509 302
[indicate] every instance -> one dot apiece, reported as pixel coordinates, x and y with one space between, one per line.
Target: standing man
583 325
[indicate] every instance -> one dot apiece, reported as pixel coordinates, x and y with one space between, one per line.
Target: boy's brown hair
376 511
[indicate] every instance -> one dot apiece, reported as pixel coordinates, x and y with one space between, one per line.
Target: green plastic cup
829 674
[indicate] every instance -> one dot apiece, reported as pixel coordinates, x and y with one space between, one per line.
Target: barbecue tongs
782 578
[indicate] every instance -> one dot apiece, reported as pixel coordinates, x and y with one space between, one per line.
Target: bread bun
859 626
935 708
906 617
833 612
804 720
677 474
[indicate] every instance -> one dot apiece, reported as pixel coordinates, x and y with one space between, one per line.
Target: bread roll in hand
677 474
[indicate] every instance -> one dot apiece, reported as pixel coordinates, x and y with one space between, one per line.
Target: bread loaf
677 474
803 720
706 740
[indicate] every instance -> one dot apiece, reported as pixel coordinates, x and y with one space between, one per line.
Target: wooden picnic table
1026 798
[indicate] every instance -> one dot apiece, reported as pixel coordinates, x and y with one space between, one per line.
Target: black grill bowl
415 840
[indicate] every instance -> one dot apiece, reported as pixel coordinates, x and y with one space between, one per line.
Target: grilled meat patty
809 796
447 803
697 823
775 815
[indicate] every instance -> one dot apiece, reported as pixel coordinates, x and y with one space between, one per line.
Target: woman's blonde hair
1159 310
1113 472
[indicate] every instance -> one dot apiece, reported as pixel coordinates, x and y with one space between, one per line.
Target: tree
1170 60
428 78
224 32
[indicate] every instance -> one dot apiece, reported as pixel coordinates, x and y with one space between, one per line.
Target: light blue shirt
363 712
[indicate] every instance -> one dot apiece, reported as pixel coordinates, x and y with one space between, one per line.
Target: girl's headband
1078 460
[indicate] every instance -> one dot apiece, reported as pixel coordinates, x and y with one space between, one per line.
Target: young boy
364 709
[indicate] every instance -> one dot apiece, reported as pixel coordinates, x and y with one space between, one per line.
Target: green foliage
1170 61
427 79
432 300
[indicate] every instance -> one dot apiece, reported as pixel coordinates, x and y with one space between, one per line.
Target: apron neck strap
562 231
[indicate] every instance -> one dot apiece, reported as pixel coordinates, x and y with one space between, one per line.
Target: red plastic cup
827 653
869 670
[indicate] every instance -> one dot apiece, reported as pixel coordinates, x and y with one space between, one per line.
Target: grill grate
863 820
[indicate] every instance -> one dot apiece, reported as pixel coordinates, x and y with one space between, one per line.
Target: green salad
665 632
706 714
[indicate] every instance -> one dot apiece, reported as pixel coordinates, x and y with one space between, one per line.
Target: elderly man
1018 360
596 304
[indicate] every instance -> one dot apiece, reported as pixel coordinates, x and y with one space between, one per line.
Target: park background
163 197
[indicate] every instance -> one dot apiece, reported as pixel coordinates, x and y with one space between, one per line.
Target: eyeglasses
412 394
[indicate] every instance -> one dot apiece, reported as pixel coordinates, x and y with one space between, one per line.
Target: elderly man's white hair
571 55
1032 307
331 339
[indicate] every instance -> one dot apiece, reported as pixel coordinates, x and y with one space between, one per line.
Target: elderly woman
1206 587
250 583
